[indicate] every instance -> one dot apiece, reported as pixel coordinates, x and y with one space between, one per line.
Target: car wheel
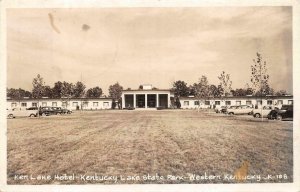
44 114
32 115
231 113
279 117
10 116
257 115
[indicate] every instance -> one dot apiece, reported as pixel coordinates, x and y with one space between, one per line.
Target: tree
249 90
202 89
239 92
17 93
281 93
192 90
47 92
225 83
78 90
177 103
180 89
115 92
66 89
215 91
266 91
38 86
94 92
57 89
260 77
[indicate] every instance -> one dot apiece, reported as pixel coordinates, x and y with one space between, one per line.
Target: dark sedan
286 112
46 111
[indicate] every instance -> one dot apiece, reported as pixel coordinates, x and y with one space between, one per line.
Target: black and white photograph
121 96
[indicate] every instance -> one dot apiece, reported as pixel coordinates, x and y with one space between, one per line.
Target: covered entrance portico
146 100
141 99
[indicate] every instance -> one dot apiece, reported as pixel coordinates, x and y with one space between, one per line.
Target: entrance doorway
140 101
129 101
163 100
151 100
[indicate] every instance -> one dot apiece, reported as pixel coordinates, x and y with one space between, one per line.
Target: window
186 103
269 102
207 103
85 104
105 104
95 104
13 105
259 102
44 104
24 104
75 104
238 103
34 104
54 104
218 102
227 102
280 102
290 102
248 102
196 102
64 104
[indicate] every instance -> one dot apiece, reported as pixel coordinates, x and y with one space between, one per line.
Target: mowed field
131 143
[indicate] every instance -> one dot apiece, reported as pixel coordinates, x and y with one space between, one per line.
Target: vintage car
66 111
262 112
286 112
239 110
58 110
21 113
46 111
221 109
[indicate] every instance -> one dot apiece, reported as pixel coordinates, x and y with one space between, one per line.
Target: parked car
221 109
66 111
46 111
224 110
286 112
21 113
239 110
263 112
57 110
32 108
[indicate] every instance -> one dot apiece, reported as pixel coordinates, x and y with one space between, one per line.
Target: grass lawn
181 143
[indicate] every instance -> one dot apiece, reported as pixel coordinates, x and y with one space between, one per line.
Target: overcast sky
147 45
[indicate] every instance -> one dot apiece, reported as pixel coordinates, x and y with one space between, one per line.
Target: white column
146 101
123 101
157 102
134 100
169 100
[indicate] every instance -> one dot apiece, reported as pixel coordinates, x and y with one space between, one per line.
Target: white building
254 101
146 98
78 103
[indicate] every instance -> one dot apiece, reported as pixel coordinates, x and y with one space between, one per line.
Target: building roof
146 90
62 99
240 97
